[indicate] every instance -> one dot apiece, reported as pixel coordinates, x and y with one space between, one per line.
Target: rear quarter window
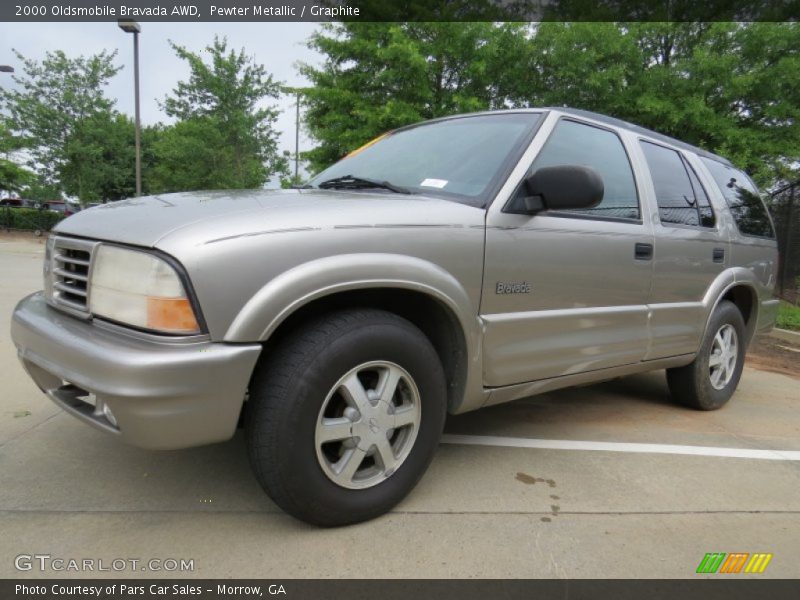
743 200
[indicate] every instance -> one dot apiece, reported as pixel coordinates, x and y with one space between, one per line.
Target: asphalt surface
71 492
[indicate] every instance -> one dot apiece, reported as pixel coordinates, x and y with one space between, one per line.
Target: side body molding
290 290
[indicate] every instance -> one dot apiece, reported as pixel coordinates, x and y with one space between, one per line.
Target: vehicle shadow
635 397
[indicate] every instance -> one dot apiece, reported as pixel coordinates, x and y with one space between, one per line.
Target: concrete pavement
71 492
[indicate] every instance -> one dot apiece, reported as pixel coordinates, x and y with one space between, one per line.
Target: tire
711 379
309 386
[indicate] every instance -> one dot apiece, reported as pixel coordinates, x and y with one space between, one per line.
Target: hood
202 217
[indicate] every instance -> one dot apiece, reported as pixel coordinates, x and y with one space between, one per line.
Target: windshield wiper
354 183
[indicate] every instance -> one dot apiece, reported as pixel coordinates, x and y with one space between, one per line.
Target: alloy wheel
367 425
724 354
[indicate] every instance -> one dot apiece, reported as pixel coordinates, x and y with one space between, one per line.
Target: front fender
290 290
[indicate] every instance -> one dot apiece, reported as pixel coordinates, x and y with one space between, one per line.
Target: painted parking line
512 442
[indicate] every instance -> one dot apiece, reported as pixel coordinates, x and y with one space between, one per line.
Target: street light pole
6 69
297 141
134 28
138 125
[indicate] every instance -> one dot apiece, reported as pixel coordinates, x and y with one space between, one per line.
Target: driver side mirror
560 188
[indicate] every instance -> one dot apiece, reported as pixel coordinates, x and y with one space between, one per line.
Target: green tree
52 100
13 177
224 136
195 154
732 88
39 191
728 87
380 76
101 157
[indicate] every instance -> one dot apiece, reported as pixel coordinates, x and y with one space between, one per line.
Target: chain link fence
785 209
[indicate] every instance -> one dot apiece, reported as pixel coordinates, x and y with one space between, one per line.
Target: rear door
691 250
566 292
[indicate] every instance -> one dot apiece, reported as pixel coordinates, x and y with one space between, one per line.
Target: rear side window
680 196
743 200
573 143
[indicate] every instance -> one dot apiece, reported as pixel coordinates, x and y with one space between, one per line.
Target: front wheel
345 415
711 379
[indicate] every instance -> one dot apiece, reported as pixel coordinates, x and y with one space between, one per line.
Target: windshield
461 159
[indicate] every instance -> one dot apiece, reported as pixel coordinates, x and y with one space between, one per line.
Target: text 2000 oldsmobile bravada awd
449 265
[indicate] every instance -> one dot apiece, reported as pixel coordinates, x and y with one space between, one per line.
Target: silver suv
446 266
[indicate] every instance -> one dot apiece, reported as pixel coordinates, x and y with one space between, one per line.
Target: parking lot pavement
69 491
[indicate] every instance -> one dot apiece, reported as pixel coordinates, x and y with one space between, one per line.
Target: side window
680 197
573 143
742 198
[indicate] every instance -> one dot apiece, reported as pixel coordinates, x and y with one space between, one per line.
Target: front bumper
162 394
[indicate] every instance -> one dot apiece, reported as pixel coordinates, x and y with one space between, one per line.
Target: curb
786 335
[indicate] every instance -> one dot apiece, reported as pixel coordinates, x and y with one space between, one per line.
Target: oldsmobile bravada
449 265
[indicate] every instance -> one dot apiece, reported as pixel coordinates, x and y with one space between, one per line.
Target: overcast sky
278 46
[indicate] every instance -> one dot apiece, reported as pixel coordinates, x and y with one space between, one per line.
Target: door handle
718 255
643 251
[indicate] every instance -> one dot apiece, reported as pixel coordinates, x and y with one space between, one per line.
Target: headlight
139 289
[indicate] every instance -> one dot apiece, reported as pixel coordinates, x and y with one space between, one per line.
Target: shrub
28 218
788 316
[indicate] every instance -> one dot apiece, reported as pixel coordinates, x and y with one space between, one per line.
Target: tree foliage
733 88
13 177
101 158
53 101
196 154
78 144
224 136
729 87
379 76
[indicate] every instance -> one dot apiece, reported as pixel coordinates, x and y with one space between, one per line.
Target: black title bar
401 10
734 588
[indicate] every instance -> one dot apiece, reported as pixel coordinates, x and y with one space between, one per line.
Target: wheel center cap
371 428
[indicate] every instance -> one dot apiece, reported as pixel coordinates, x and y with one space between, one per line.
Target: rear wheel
345 416
711 379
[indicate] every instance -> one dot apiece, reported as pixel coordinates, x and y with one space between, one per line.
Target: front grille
69 264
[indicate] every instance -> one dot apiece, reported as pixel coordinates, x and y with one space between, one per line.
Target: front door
566 292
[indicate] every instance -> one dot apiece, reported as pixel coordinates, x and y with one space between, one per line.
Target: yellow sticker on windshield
368 144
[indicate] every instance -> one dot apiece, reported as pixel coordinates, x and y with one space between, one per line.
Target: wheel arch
743 294
419 291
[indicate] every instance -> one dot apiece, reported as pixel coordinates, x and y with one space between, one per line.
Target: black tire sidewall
313 495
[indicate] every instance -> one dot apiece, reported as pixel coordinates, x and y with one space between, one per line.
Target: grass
789 316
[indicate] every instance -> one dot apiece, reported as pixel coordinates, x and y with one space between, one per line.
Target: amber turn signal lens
171 314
